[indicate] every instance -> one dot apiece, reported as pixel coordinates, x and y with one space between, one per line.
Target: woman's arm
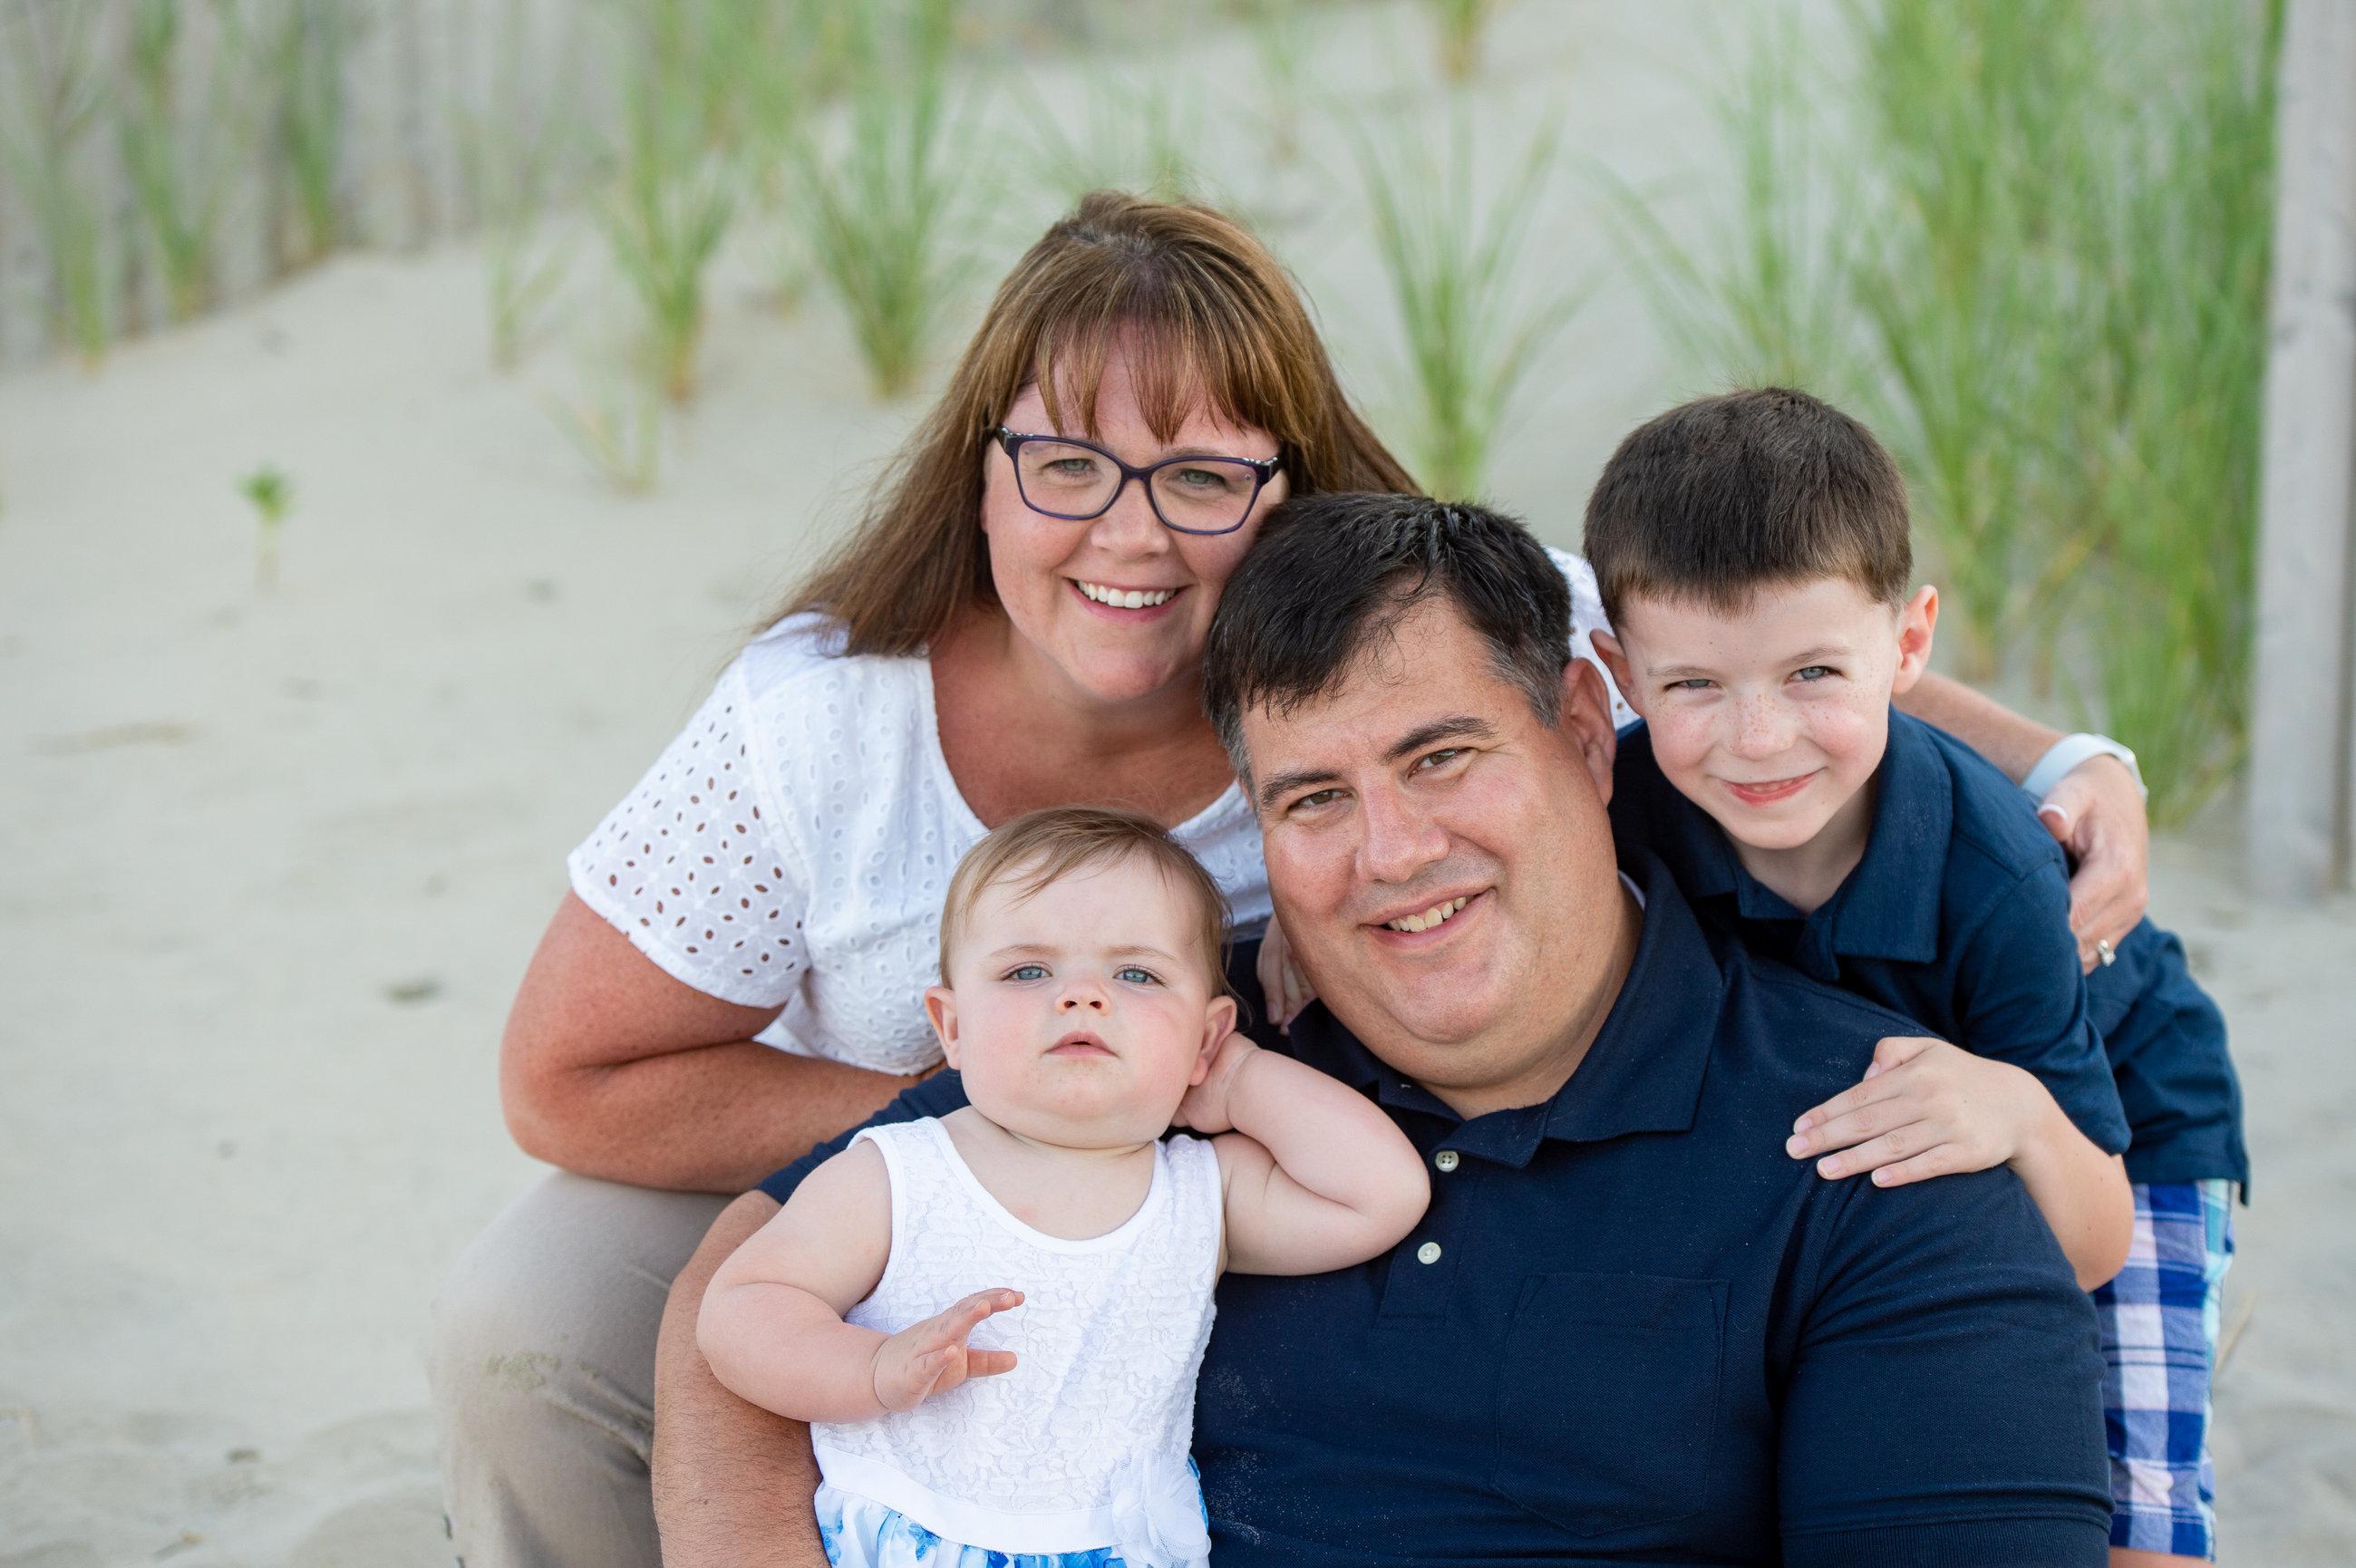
2095 812
612 1068
733 1483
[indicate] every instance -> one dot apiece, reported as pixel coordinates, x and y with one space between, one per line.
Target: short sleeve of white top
792 847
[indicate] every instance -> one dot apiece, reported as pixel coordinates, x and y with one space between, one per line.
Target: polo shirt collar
1642 1074
1888 907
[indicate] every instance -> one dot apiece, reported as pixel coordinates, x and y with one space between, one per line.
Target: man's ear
1218 1022
1917 619
940 1006
1585 723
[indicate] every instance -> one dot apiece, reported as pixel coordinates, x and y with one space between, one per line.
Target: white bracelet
2066 753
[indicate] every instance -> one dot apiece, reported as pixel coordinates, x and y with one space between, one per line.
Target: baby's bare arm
772 1327
1317 1178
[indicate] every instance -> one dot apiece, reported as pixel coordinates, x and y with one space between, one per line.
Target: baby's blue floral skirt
863 1534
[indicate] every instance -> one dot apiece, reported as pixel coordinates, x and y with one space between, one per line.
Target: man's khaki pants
543 1373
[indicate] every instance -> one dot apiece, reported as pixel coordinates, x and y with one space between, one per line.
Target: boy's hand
1925 1109
1204 1108
932 1357
1282 986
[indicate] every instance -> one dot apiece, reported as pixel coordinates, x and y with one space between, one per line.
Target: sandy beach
277 859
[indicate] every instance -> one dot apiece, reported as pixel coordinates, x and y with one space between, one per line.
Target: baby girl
992 1321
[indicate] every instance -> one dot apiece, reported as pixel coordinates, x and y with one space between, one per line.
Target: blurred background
407 407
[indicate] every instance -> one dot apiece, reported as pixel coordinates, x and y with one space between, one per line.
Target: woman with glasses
737 973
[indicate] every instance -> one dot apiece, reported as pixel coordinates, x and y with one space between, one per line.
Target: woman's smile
1133 603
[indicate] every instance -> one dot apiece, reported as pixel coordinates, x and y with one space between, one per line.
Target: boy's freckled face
1081 1014
1774 719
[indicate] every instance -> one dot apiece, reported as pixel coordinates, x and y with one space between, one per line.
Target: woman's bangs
1177 366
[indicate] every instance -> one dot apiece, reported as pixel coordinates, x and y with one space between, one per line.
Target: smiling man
1630 1328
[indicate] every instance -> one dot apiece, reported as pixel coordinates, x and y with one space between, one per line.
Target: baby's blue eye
1695 684
1130 974
1027 972
1814 672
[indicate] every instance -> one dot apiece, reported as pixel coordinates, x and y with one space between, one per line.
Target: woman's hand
932 1357
1282 986
1924 1109
2097 814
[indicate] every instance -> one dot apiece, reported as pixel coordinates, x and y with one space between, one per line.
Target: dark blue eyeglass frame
1263 469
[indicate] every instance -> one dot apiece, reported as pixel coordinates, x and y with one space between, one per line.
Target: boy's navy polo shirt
1958 917
1630 1328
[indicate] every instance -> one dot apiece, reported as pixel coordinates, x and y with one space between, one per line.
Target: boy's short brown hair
1722 496
1043 847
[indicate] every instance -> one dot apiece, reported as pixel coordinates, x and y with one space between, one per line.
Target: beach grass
890 205
1281 38
1138 132
306 52
1459 27
516 151
1473 315
2179 262
1762 298
185 131
615 418
678 176
56 100
2044 282
271 496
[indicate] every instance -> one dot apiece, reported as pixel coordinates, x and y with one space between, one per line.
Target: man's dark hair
1331 574
1725 495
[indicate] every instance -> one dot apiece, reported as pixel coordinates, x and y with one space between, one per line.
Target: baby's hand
932 1357
1925 1108
1204 1108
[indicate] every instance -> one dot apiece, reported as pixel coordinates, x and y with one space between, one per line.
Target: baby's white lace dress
1081 1450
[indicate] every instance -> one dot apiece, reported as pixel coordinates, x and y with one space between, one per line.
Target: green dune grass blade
1472 320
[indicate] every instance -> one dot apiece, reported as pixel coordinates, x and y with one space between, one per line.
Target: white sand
276 861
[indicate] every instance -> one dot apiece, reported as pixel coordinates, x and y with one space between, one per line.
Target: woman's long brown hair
1206 313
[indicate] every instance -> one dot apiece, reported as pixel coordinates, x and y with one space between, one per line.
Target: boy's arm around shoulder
1316 1176
771 1325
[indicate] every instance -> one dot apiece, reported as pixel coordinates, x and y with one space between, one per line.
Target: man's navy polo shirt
1630 1328
1958 917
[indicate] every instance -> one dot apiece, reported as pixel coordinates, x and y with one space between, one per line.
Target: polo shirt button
1428 1254
1446 1159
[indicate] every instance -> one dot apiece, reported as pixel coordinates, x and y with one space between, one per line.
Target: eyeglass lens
1199 494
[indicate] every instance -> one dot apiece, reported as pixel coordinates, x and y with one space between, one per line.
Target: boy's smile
1773 717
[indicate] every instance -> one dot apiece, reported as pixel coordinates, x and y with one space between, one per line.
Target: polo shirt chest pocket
1607 1398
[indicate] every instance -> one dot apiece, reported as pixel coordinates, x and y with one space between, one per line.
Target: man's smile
1427 918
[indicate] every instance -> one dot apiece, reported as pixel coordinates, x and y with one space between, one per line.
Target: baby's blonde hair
1044 847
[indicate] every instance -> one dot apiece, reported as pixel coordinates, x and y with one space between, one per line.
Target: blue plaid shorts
2159 1342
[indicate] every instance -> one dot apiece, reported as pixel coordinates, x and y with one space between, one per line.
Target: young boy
1753 559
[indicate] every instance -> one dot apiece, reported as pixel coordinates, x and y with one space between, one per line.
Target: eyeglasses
1077 482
